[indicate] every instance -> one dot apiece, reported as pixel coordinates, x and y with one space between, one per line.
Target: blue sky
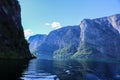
43 16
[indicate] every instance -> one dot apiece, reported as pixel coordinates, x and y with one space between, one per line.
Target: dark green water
38 69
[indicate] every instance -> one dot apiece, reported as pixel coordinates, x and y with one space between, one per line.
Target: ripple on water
38 76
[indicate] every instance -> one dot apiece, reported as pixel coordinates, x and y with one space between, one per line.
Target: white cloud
54 25
28 33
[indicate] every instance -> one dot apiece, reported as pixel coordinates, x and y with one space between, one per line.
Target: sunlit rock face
12 41
100 38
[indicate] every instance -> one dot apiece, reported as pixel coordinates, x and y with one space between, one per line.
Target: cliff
12 42
100 38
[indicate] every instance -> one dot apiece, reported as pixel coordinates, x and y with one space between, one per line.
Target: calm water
38 69
71 70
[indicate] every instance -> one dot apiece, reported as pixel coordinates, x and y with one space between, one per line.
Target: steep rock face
35 41
100 38
61 40
12 41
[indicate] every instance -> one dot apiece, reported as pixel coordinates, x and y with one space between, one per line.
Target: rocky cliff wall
100 38
12 41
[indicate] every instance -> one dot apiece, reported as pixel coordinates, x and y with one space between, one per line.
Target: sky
43 16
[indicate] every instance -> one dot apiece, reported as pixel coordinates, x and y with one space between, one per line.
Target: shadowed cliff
12 42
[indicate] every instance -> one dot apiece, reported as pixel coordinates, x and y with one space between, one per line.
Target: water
38 69
71 70
12 69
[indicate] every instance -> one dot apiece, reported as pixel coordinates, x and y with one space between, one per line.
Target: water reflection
68 70
39 70
71 70
12 69
87 70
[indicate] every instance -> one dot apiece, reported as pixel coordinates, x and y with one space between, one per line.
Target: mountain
60 41
35 41
100 38
93 39
12 41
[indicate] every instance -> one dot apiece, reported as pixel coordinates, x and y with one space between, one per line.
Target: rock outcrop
12 42
100 38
